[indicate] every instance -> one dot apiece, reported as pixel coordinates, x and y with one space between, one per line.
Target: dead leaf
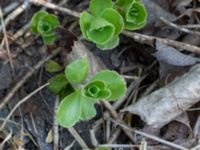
167 103
172 56
49 138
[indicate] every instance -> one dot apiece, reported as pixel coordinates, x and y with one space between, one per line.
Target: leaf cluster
107 20
79 104
44 24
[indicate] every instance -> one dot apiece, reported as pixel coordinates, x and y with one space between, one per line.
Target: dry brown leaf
167 103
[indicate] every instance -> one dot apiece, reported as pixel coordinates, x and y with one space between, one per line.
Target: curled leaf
112 16
133 12
112 43
115 83
96 90
101 31
35 20
77 70
97 6
44 24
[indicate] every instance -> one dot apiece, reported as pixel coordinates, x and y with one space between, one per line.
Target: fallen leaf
172 56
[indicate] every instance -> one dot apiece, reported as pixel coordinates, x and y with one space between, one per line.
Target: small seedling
133 12
44 24
79 105
107 20
103 25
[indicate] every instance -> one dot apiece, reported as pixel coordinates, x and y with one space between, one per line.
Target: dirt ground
148 64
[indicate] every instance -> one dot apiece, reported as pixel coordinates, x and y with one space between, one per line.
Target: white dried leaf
172 56
167 103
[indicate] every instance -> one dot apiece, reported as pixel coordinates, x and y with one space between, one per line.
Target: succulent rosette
43 24
79 105
103 25
133 12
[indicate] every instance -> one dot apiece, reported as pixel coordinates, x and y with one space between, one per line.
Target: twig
118 146
179 27
75 134
10 7
21 102
12 92
149 40
55 127
150 136
13 15
6 41
55 7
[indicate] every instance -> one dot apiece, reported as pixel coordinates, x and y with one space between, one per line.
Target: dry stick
77 137
55 127
12 92
149 40
13 15
55 7
10 7
179 27
21 102
150 136
6 41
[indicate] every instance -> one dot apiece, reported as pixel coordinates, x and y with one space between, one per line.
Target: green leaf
101 31
44 24
85 21
133 12
97 6
65 91
69 110
52 66
96 89
47 24
35 20
112 43
77 70
115 83
112 16
57 83
48 40
88 110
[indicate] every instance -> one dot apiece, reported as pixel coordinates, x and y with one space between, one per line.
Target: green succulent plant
43 24
79 105
106 21
103 25
133 12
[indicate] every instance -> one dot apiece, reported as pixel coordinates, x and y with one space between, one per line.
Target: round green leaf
52 66
85 21
96 89
97 6
69 110
77 70
35 20
47 24
118 22
88 110
101 31
115 83
57 83
112 43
